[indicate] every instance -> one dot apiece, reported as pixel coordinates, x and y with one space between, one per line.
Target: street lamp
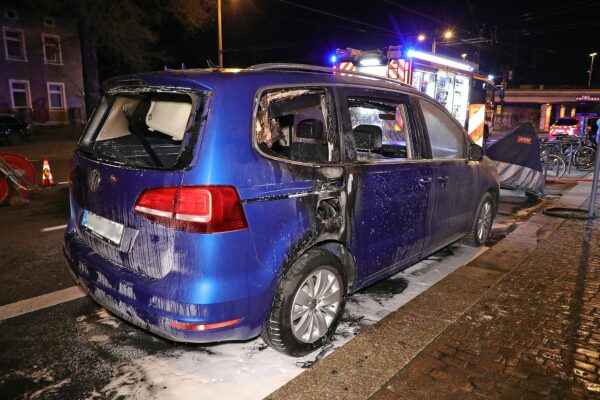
593 55
220 34
447 35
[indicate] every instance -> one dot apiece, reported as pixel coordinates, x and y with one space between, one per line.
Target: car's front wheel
482 224
308 304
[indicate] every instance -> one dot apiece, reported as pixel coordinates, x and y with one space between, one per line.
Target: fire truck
455 83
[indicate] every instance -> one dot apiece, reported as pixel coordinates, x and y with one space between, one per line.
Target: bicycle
553 159
572 150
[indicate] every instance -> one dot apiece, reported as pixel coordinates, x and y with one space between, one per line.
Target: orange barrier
570 179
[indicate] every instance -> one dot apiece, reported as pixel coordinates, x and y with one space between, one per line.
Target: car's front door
454 177
388 181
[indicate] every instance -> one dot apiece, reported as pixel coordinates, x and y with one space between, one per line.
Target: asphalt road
76 349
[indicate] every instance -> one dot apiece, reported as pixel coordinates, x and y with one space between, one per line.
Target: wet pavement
534 335
521 321
77 350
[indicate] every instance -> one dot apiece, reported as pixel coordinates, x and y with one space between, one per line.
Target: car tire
6 190
316 314
482 223
15 139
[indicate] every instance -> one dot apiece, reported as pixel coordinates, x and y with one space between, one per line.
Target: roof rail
318 69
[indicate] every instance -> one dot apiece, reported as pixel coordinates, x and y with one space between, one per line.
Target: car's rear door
388 185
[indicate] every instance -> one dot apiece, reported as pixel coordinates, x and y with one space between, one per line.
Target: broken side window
297 124
381 129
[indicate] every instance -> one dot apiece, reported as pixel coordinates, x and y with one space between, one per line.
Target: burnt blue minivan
214 205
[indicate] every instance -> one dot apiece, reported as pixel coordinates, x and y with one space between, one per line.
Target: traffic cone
47 179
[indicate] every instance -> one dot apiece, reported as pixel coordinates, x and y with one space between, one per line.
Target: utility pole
220 34
593 55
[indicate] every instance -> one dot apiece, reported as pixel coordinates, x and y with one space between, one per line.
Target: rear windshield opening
147 130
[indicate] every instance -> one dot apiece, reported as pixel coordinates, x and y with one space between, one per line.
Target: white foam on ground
251 370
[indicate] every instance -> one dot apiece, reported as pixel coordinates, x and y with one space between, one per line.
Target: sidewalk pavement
521 321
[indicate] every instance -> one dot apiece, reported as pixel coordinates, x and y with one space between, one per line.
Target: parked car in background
213 205
12 130
577 125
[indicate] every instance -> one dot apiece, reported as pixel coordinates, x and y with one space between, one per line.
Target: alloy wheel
315 305
484 222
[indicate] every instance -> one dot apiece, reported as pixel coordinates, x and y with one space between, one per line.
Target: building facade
40 67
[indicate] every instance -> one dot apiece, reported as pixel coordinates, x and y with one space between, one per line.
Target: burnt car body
12 130
283 191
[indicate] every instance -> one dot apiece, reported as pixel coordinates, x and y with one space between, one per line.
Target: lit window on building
56 95
14 44
19 92
52 52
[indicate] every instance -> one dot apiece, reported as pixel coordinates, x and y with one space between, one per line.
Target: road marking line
63 183
53 228
40 302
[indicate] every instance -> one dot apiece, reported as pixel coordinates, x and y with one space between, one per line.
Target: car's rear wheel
482 224
308 304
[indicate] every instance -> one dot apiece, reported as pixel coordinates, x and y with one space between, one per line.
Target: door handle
443 179
425 181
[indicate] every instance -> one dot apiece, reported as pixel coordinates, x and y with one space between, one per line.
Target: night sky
542 42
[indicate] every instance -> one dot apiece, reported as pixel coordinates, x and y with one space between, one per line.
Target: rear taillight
200 209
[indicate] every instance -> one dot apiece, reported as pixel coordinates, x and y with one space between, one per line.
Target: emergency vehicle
454 83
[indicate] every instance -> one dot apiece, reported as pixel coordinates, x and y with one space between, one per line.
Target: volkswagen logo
94 180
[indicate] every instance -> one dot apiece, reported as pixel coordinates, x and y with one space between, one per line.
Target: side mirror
476 152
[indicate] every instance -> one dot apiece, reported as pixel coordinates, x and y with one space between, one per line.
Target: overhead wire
429 17
486 46
550 11
330 14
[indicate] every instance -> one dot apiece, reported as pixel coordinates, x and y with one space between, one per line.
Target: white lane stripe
53 228
40 302
63 183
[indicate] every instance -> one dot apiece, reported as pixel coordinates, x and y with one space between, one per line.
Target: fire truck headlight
370 61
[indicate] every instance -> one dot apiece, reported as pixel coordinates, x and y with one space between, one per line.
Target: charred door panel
284 225
387 211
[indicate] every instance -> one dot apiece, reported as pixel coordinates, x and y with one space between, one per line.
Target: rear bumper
153 304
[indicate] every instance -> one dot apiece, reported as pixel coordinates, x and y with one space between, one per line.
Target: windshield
143 129
566 122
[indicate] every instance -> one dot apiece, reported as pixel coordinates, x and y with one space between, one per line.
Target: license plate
105 228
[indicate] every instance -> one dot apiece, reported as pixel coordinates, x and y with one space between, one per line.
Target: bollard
592 208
